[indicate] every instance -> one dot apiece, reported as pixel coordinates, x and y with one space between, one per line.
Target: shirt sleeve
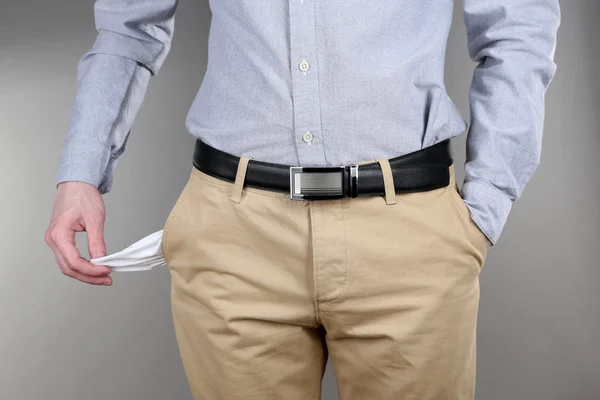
134 38
513 43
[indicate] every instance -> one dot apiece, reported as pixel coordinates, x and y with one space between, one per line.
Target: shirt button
304 66
307 137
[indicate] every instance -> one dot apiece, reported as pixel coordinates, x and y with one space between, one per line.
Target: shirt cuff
489 207
86 161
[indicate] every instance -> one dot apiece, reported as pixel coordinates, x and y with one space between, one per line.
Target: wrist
489 207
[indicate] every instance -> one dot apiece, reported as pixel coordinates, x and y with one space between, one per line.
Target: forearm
110 90
513 42
133 42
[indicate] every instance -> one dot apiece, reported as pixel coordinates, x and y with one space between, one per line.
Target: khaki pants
265 289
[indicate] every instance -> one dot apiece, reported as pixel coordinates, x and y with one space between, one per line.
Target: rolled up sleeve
513 43
133 41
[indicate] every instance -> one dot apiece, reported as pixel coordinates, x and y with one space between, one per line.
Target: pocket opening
466 213
172 214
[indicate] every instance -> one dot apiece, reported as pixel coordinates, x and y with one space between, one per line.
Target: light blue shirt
365 79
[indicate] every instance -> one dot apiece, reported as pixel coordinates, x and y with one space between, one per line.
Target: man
375 264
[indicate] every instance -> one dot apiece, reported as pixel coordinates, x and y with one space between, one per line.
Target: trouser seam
345 256
315 263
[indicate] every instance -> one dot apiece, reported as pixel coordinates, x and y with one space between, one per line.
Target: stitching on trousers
345 256
315 263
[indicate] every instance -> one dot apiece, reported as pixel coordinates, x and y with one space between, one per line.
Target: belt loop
388 181
452 175
240 177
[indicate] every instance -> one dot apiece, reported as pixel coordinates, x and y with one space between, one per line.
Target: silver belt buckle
322 183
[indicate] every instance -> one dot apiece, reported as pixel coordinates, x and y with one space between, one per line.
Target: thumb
95 236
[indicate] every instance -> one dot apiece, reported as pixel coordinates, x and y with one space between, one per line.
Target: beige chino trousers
264 289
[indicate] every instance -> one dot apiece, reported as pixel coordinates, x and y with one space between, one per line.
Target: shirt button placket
305 85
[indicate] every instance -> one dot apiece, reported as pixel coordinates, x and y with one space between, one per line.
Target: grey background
59 339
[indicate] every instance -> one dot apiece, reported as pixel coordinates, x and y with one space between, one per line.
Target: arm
134 37
513 42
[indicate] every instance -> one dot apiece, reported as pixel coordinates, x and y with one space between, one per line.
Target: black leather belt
422 170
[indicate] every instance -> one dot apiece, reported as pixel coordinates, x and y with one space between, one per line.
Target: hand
78 207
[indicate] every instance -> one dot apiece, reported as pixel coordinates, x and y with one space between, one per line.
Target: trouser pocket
478 238
172 217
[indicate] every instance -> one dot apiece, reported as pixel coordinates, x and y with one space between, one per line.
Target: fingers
95 236
93 280
64 241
